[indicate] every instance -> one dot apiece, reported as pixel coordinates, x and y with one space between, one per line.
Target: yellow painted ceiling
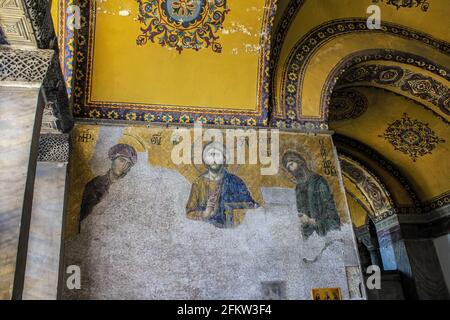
314 12
124 72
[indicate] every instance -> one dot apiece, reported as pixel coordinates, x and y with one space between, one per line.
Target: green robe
315 199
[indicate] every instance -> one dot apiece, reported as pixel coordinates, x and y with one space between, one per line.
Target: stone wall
17 124
442 245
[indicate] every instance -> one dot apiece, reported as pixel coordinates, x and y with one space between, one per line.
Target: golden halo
200 168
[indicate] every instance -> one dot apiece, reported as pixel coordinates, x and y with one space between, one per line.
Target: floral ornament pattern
113 115
94 114
149 117
411 137
182 24
202 120
131 116
423 4
219 120
167 118
185 119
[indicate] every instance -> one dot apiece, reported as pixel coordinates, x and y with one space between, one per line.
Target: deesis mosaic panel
140 225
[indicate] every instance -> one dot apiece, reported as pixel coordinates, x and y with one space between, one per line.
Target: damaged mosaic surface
136 242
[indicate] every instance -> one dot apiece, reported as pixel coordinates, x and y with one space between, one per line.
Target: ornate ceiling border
355 88
158 113
437 202
374 191
377 157
66 42
299 57
280 33
282 29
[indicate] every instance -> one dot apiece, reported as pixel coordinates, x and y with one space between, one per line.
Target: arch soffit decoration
435 94
364 208
289 111
356 193
374 192
423 209
424 85
279 35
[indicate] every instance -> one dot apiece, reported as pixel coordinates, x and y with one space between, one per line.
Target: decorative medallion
412 137
423 4
389 74
182 24
347 104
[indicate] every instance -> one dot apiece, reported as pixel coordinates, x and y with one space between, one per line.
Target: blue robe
234 195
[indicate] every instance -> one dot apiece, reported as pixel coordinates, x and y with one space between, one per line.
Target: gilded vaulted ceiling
324 36
359 213
409 136
367 188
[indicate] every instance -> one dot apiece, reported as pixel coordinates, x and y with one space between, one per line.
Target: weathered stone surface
442 245
42 269
17 118
138 242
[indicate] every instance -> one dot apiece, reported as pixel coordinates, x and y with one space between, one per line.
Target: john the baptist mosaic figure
315 201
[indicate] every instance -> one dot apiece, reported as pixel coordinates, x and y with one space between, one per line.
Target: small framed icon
326 294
